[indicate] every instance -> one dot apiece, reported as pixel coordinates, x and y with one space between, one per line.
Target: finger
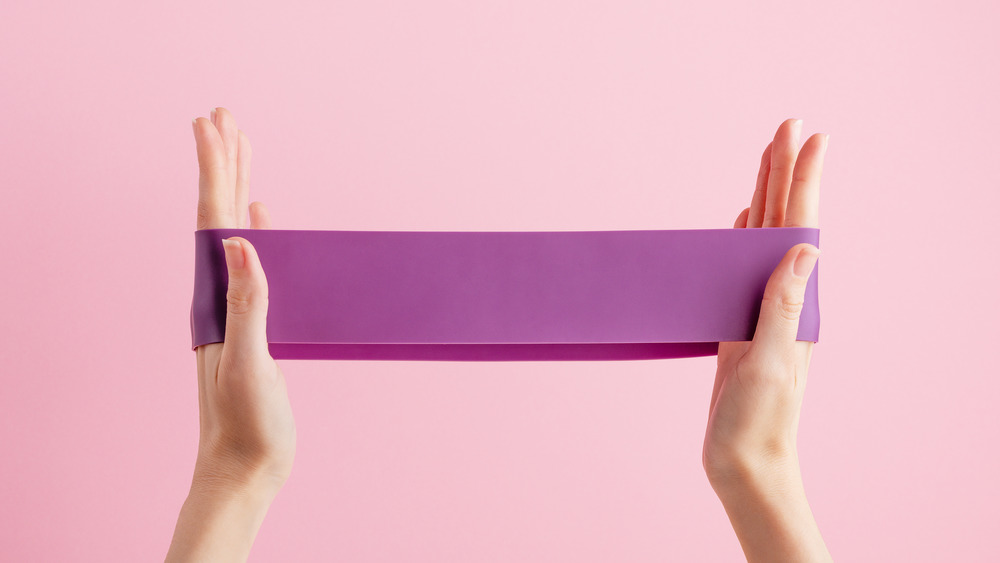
242 179
803 196
215 208
260 217
225 123
783 154
246 305
756 217
741 221
778 323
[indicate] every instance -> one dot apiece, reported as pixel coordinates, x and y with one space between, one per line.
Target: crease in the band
500 296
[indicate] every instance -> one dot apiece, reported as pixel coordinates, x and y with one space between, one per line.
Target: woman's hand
247 433
750 452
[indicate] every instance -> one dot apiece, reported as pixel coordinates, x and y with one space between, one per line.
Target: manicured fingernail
194 124
797 129
213 116
826 139
805 261
234 254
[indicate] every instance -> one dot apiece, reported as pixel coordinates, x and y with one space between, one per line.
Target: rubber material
502 296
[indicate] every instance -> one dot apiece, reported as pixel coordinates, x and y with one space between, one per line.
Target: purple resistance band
501 296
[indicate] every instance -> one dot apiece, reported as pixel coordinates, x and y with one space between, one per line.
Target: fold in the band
494 296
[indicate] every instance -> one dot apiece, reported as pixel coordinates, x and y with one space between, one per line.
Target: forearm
769 512
218 523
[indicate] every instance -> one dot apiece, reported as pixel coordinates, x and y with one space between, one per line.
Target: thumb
784 296
246 301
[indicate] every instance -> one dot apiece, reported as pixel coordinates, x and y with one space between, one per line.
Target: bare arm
769 512
219 522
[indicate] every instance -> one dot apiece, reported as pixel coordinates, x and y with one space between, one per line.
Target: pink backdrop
508 115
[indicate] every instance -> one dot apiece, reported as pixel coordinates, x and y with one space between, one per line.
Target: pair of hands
247 432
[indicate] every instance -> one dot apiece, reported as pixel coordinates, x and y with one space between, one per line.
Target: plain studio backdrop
497 115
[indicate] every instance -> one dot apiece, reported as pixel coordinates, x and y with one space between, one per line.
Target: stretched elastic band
494 296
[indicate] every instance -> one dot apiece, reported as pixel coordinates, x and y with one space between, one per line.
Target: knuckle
764 370
214 168
239 302
773 218
788 307
210 168
798 177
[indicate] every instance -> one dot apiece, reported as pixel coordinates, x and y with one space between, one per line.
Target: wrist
219 519
214 476
760 469
246 495
761 484
765 500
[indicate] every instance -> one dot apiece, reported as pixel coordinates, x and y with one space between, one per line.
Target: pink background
505 115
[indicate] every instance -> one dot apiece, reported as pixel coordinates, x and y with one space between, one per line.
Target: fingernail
213 116
194 124
797 129
805 261
826 139
234 254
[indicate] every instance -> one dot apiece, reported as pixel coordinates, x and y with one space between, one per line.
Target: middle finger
225 123
784 151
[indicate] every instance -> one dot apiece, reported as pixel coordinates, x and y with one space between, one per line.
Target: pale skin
247 432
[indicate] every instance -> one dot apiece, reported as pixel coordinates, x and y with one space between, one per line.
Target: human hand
749 453
247 433
247 430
